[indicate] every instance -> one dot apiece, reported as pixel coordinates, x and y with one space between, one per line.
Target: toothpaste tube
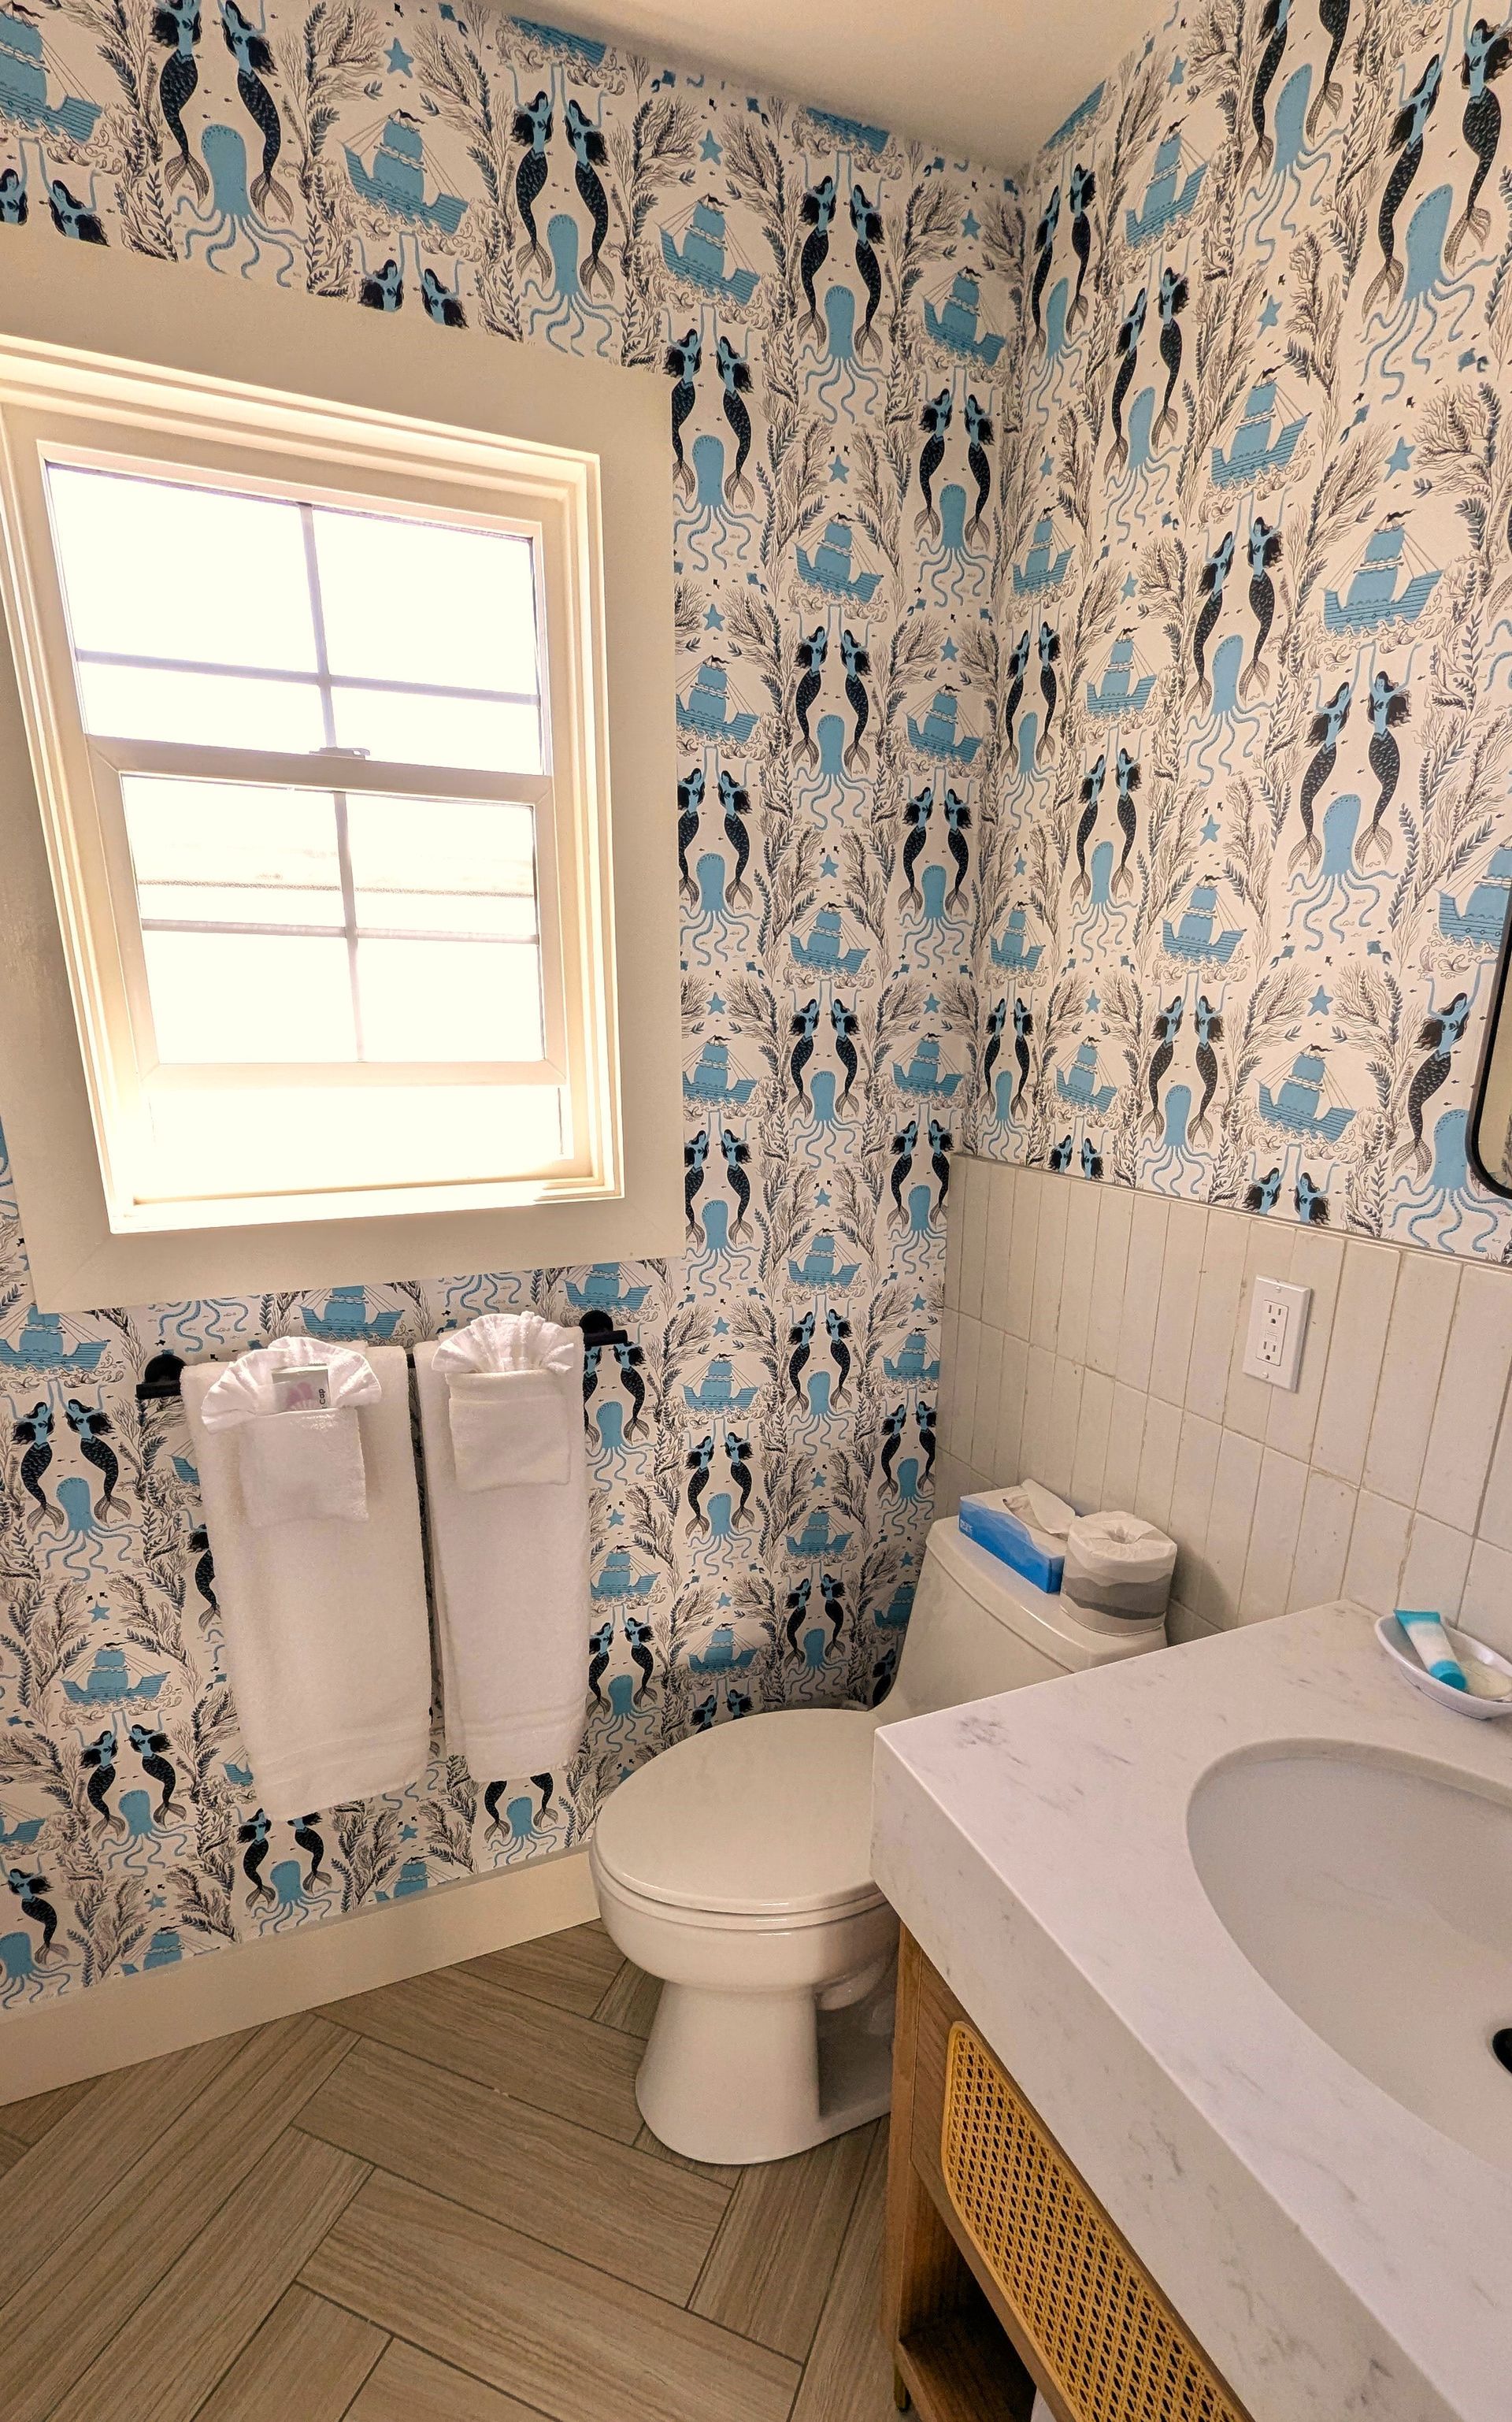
1426 1635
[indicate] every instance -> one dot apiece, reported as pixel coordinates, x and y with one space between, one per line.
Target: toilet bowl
736 1867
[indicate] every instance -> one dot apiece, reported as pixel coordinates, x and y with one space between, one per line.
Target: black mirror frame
1477 1101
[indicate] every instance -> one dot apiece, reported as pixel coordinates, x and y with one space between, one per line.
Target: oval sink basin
1375 1895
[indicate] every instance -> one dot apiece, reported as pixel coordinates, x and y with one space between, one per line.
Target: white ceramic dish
1469 1652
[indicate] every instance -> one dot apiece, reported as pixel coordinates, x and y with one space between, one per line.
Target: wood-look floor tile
551 2058
411 2386
11 2150
773 2259
202 2312
849 2376
93 2142
570 1970
32 2119
631 2001
305 2364
622 2210
581 2346
724 2174
94 2278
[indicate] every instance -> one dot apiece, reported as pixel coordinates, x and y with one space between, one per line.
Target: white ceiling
991 78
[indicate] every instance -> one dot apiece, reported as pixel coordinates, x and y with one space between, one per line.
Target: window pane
451 866
233 853
249 996
151 568
212 710
295 1139
419 730
449 1000
425 602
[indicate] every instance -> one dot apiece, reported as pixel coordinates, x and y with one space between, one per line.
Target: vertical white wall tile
1076 1268
1091 1459
1317 1261
1438 1560
1362 1317
960 1412
1183 1625
1486 1608
1235 1483
1037 1385
1323 1540
1192 1503
1273 1533
973 1176
1141 1291
950 1479
1061 1443
1180 1277
1268 1253
1020 1296
1218 1306
950 1323
983 1442
1471 1393
1156 1478
1049 1260
1106 1310
1415 1342
952 1233
1007 1454
1378 1551
1003 1184
1125 1433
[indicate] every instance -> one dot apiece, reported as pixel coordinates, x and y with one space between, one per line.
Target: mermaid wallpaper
1094 622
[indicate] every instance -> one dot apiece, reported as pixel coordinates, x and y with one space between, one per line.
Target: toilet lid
770 1814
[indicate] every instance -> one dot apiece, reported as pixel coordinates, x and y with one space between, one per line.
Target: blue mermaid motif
706 708
1009 950
1168 197
816 1539
911 1366
618 1579
819 1267
953 323
40 1348
1120 693
935 736
828 568
1194 938
711 1081
1254 454
23 82
701 260
823 947
923 1074
1373 601
603 1290
719 1653
346 1316
717 1391
1294 1108
1040 570
1079 1084
394 180
1483 919
108 1682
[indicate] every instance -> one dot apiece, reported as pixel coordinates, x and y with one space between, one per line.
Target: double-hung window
318 717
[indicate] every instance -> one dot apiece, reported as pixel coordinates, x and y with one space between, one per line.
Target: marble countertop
1337 2256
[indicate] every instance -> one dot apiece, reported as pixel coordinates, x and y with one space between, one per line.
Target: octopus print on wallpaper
830 312
1240 910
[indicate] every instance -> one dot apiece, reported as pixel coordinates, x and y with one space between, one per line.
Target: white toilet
736 1867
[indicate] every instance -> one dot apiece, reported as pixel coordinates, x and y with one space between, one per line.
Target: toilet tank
977 1626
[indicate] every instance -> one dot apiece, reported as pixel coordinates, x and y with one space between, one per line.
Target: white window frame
573 453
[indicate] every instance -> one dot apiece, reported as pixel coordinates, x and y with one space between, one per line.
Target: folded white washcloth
513 1401
304 1466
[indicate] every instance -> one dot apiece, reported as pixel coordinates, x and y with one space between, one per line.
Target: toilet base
756 2077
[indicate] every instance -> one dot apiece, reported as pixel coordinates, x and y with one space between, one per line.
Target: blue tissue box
1011 1541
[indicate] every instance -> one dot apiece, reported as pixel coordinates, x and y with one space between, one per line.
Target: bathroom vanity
1196 2111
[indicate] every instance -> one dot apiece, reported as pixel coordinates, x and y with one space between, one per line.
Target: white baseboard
131 2019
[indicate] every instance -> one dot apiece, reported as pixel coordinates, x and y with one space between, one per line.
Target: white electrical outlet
1278 1329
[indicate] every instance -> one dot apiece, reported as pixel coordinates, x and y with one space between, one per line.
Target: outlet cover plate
1277 1333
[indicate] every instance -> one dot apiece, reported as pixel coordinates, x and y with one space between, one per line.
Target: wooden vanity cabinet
1001 2272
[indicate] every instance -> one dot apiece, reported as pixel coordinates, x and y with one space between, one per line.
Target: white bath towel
516 1401
509 1563
302 1466
327 1646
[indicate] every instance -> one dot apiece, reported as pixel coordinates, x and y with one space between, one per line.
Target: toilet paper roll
1118 1565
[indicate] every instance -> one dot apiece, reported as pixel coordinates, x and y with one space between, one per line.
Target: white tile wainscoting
1093 1340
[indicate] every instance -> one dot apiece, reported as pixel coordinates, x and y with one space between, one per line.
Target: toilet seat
763 1823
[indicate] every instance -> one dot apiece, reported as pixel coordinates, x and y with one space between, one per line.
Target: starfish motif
971 225
839 468
1210 830
1178 72
399 61
948 652
711 148
1401 457
714 620
1321 1003
1271 313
